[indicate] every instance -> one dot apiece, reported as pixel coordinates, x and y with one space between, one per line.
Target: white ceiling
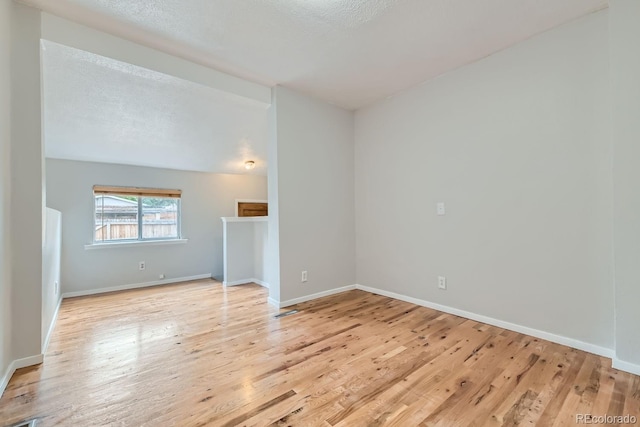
349 52
99 109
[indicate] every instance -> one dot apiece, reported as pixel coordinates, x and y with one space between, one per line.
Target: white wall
625 74
260 248
517 146
205 198
240 248
272 272
314 194
244 250
27 207
51 256
5 182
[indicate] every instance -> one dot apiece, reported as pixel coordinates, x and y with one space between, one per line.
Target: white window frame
139 193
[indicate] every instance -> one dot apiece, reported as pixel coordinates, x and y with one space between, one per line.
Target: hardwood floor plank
199 354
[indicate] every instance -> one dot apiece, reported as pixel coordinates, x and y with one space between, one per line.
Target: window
136 214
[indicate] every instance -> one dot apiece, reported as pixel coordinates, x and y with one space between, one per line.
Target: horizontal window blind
137 191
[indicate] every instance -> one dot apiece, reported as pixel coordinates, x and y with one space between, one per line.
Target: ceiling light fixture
249 164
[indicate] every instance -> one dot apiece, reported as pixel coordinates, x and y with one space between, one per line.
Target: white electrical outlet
141 265
56 288
161 276
442 282
440 208
304 276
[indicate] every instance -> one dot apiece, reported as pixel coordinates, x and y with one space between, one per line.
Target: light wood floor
198 354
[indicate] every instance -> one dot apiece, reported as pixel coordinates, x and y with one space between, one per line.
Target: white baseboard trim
305 298
135 286
28 361
17 364
261 283
45 345
245 281
625 366
273 302
559 339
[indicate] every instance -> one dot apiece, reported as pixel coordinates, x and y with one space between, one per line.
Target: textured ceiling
349 52
100 109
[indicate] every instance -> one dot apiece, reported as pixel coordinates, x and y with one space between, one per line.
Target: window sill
93 246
